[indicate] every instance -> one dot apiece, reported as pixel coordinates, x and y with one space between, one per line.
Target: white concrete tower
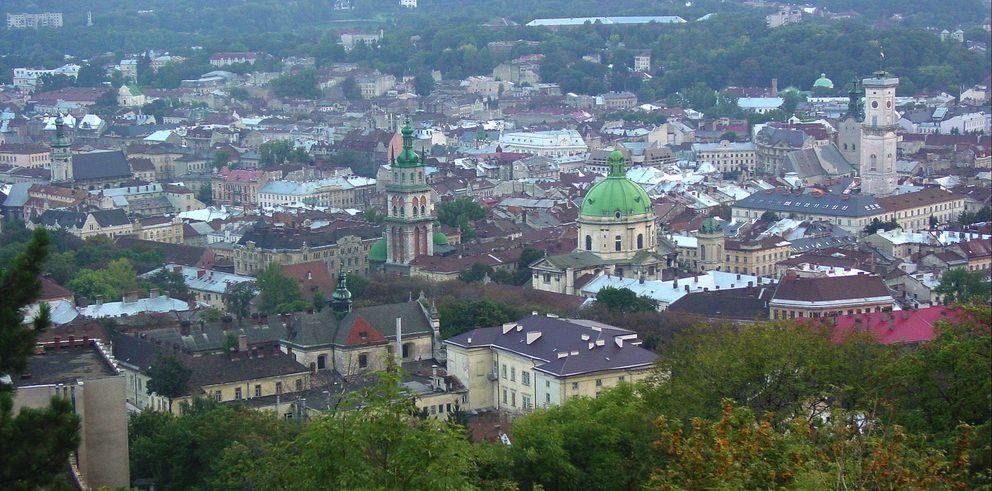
878 136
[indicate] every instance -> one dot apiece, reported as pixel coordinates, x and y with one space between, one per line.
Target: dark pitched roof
100 165
825 289
271 238
563 347
737 303
54 218
111 218
855 205
322 328
915 199
234 367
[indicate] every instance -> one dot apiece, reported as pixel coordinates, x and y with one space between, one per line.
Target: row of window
239 394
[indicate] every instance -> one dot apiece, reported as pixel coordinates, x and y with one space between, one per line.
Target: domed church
617 235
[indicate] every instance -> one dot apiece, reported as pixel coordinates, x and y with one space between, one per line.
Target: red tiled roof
905 326
363 333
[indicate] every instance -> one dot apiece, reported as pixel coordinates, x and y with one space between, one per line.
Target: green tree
169 283
350 89
238 297
789 369
319 302
960 285
187 451
458 316
601 443
740 451
302 85
624 300
381 444
423 84
476 272
280 293
206 195
168 377
221 158
770 216
37 442
877 225
461 212
357 284
275 152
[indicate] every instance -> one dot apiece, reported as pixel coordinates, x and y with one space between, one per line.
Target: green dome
440 238
377 253
615 194
823 82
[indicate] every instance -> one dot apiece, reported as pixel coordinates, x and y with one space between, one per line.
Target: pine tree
36 442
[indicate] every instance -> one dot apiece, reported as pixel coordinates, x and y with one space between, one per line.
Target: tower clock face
874 104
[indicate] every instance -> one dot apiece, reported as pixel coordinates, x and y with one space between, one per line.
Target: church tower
878 141
849 128
409 223
61 154
341 299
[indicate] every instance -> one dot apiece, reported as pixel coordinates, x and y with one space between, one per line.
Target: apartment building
543 361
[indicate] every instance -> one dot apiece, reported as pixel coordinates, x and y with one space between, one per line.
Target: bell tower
409 223
878 135
61 154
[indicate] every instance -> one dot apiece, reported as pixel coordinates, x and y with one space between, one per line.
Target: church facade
617 235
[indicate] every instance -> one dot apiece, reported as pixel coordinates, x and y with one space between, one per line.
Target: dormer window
617 214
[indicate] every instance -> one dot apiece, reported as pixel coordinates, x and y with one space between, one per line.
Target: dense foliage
776 405
732 47
36 441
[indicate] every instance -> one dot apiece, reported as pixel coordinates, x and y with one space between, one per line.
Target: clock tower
878 135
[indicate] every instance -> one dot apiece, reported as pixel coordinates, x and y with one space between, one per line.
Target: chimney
242 342
99 300
131 297
309 275
687 288
177 269
153 293
640 280
738 276
675 284
774 87
398 352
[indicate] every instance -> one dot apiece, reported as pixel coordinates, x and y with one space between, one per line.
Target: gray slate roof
855 205
100 165
322 328
600 351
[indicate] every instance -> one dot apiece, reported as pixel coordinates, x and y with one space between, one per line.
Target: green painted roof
377 253
407 157
616 193
440 239
823 82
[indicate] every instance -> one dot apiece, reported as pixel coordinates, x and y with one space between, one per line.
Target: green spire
60 139
616 164
407 157
854 109
341 299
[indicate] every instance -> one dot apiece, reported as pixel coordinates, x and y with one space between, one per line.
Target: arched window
873 162
588 242
640 241
423 209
